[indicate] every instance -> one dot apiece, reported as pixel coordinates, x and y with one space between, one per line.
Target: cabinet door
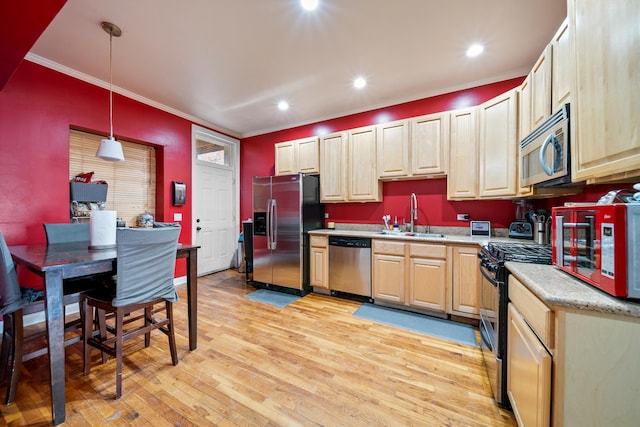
541 89
561 67
308 155
429 144
363 184
606 93
427 283
529 373
498 146
393 149
466 282
462 179
319 267
524 127
286 156
333 167
388 278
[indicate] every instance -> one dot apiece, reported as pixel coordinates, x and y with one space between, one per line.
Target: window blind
132 183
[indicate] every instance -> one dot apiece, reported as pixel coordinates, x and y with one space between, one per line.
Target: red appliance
599 244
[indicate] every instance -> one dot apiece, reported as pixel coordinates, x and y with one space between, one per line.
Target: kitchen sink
418 235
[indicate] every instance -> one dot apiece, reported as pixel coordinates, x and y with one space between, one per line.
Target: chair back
10 294
67 233
146 264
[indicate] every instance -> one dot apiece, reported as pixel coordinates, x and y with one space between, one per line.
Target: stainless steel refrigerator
285 209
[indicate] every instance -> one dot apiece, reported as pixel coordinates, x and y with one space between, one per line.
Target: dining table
57 262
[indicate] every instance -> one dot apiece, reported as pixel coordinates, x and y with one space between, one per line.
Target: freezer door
287 232
262 271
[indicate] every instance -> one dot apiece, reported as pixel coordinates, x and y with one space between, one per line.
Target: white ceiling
226 63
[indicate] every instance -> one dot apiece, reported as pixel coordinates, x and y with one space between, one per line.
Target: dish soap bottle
396 227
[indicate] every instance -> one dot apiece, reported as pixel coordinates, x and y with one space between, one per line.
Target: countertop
554 287
449 238
559 289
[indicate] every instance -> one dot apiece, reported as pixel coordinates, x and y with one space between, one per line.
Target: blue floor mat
278 299
446 329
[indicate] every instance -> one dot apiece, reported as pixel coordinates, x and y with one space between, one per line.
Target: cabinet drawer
318 241
427 251
388 247
535 312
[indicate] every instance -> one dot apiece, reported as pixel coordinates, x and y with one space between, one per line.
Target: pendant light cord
110 84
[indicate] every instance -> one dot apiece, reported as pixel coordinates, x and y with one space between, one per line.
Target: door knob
198 228
198 220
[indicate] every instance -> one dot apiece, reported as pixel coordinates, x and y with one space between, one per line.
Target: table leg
192 297
54 312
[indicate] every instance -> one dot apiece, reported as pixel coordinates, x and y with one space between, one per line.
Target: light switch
177 217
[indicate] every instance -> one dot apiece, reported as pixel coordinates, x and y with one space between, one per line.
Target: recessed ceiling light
283 105
475 50
309 4
359 82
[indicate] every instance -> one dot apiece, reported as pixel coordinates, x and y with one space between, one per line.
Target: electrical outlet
177 217
326 215
463 217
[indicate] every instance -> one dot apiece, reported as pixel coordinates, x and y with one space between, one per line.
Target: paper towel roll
102 229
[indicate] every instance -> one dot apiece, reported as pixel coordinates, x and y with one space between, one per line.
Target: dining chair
15 303
144 283
67 232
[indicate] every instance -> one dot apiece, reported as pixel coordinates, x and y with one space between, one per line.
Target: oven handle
488 276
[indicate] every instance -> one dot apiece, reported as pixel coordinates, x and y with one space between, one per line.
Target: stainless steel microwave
544 154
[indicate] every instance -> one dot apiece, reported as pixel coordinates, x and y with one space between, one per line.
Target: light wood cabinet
348 170
606 91
428 279
541 89
429 145
300 155
465 295
529 373
333 167
462 179
388 271
498 146
561 67
319 261
363 184
393 149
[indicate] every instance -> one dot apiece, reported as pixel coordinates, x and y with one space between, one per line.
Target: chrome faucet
413 211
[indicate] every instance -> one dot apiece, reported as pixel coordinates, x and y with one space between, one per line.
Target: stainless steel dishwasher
350 265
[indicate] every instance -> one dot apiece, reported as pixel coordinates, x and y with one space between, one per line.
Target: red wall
38 106
257 159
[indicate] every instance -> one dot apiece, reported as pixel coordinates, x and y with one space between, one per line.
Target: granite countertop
559 289
449 237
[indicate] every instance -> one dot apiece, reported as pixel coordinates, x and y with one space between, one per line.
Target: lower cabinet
530 328
319 262
388 271
465 289
412 274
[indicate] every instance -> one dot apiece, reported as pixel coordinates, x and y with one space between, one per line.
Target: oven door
493 333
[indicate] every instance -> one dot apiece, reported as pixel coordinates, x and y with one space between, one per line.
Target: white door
215 200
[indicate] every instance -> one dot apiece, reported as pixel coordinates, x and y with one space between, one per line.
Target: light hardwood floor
309 364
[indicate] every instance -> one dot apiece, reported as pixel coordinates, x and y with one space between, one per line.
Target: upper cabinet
333 167
300 155
606 91
363 184
561 67
462 181
415 148
541 89
498 146
348 171
430 145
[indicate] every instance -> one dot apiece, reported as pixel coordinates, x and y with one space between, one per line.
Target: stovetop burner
518 252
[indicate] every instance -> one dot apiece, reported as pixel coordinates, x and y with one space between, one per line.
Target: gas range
493 255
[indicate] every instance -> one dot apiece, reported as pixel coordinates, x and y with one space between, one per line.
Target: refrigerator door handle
273 225
269 224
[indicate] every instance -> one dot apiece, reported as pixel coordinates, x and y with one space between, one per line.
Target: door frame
208 135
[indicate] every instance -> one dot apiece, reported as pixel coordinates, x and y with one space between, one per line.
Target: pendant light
109 148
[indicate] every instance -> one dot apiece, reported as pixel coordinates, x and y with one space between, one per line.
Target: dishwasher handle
350 242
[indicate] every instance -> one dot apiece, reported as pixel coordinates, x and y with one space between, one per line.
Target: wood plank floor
309 364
